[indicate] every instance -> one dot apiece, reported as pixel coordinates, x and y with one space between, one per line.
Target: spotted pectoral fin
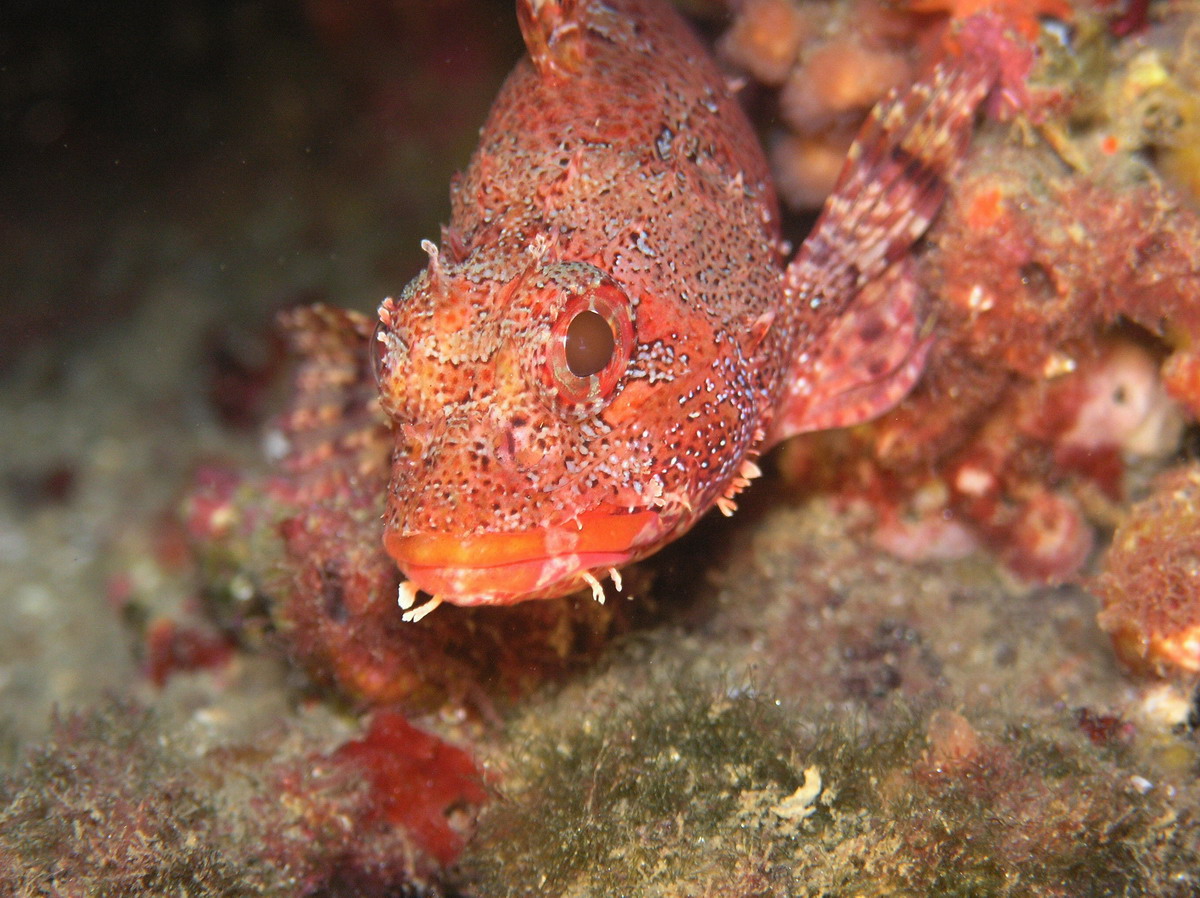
890 187
869 360
847 280
333 421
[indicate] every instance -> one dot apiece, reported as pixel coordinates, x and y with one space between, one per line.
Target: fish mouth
510 567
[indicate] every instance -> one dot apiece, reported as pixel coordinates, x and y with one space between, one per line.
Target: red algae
1105 729
173 648
416 780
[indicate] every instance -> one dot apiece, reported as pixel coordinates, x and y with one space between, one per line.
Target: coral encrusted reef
953 651
117 802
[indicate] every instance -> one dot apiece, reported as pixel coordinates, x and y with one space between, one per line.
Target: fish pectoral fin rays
891 186
870 358
850 282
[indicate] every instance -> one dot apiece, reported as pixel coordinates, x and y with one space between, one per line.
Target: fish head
549 426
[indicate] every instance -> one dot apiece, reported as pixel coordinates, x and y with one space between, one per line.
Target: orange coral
1022 15
1150 585
1181 377
765 38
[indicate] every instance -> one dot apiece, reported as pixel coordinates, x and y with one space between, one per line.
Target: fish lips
504 568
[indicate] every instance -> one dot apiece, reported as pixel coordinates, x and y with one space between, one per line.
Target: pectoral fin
867 362
858 352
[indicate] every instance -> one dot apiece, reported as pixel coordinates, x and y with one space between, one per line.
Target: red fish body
610 331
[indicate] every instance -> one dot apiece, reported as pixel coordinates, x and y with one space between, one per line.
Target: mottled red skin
590 166
617 172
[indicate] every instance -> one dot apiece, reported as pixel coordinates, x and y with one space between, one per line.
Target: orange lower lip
501 568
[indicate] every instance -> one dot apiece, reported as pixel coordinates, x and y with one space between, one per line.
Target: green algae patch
704 791
658 791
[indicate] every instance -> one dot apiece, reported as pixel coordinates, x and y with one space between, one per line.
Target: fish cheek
664 319
635 408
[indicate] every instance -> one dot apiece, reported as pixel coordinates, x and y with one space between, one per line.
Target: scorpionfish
611 330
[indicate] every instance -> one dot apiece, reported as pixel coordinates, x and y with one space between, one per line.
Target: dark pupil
590 344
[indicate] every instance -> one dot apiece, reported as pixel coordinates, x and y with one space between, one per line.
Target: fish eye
590 344
591 341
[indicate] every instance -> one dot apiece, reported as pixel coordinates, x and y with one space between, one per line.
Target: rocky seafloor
878 678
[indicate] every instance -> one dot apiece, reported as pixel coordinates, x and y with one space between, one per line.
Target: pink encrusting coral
172 648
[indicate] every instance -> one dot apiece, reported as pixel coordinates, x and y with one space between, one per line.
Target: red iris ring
607 301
